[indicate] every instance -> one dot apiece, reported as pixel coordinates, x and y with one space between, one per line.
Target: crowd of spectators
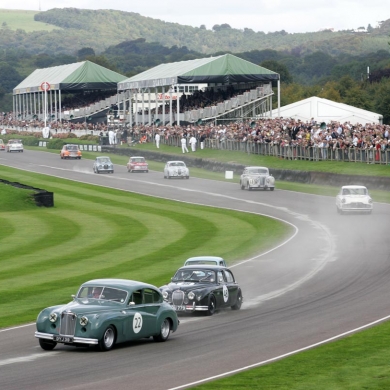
290 137
198 99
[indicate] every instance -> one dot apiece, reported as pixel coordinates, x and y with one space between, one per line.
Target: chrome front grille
178 297
68 324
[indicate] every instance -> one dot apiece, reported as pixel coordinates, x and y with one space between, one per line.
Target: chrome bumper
76 340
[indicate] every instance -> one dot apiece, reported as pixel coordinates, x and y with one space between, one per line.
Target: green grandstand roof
227 69
72 77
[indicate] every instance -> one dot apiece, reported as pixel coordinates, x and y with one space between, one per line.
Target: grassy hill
24 20
69 29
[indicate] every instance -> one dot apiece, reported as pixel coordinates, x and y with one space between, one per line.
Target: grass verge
94 232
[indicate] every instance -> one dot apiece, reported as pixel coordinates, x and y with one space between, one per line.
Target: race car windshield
260 171
102 293
192 275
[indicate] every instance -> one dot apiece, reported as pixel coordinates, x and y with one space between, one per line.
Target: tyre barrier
41 197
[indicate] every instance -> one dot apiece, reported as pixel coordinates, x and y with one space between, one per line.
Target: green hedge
57 143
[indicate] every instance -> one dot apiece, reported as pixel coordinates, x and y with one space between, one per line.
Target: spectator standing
202 138
184 144
192 142
157 139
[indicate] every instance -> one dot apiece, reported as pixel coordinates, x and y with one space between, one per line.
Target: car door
232 286
222 291
135 326
152 300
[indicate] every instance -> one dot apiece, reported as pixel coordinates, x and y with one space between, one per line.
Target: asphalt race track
331 277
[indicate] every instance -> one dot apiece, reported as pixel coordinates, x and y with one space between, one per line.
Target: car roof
203 258
175 161
256 167
118 283
102 157
204 266
137 157
353 186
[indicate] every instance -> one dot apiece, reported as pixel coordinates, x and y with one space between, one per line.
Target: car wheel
47 345
211 306
242 186
97 171
272 188
168 177
187 177
108 339
147 171
165 331
237 305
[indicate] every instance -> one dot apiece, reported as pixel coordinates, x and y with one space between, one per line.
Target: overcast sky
259 15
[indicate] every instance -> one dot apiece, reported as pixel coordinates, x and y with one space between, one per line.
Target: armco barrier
41 197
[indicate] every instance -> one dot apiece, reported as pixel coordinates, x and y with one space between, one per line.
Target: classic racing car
137 164
257 178
176 169
354 198
106 312
70 151
103 164
14 145
2 145
210 260
203 288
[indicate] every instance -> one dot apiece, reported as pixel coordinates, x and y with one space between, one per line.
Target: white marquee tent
324 110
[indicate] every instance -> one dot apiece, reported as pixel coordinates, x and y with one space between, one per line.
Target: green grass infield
95 232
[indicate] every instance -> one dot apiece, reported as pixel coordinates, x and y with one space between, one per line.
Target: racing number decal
137 322
225 293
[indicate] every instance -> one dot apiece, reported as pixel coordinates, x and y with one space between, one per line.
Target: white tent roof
324 110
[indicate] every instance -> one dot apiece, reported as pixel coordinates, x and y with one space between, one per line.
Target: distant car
209 260
203 288
2 145
103 164
176 169
354 198
106 312
137 164
70 151
257 178
14 145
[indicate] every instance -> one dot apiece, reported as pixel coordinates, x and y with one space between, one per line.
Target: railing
296 152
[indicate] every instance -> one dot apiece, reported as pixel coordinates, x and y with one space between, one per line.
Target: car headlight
343 200
165 294
191 295
53 317
83 320
370 201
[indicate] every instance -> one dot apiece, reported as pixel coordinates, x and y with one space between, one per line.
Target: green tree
277 67
382 99
102 61
10 77
85 52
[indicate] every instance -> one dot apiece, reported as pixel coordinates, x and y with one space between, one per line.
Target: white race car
176 169
257 178
14 145
354 199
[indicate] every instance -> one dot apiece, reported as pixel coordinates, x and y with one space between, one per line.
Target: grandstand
222 88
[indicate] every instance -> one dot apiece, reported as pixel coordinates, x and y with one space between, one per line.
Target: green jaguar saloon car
106 312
